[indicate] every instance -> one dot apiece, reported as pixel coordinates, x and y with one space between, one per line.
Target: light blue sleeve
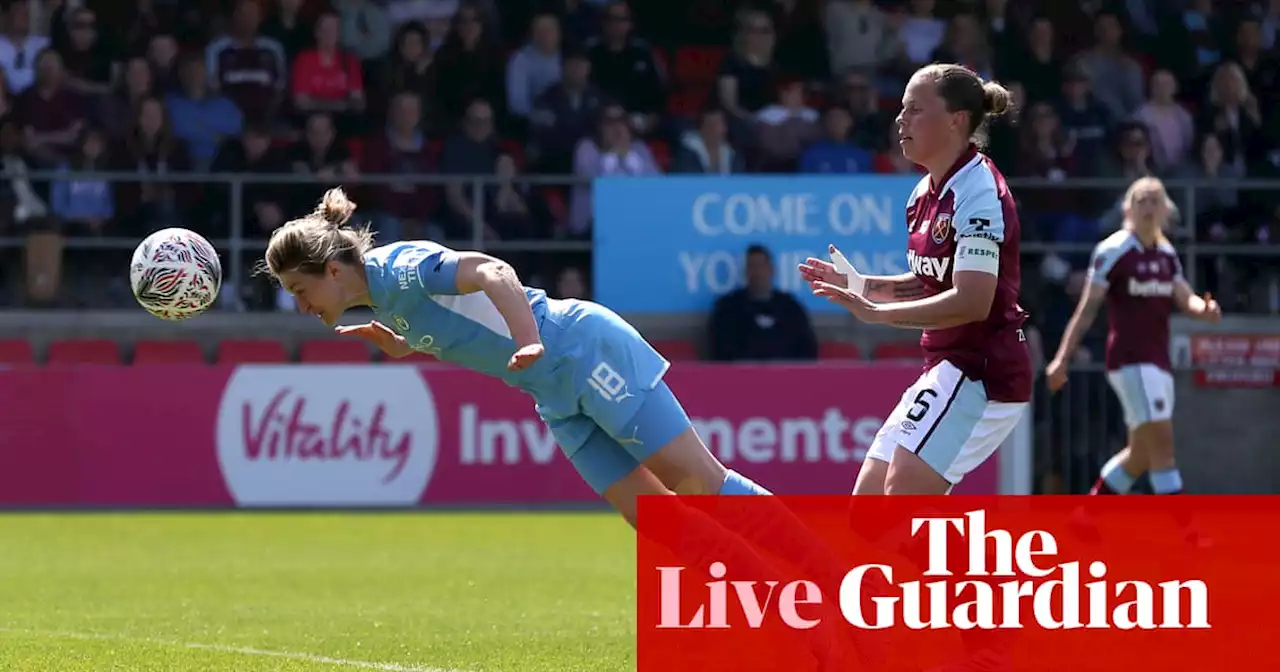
430 266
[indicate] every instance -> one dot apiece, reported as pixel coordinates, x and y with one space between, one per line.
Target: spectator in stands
7 99
1003 31
921 32
1169 124
201 118
1040 68
708 151
1269 19
1195 47
404 11
760 322
51 115
162 55
1116 78
746 83
785 128
872 128
1130 161
833 153
90 64
581 19
289 26
801 43
512 209
1048 152
249 68
85 206
1216 208
623 67
858 36
534 68
472 151
366 28
564 114
410 69
891 161
264 205
403 209
116 112
24 212
1084 119
328 79
144 18
1235 115
469 65
150 149
319 153
965 43
571 283
614 151
1261 69
20 47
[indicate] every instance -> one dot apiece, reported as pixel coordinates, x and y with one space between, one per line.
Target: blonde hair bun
335 208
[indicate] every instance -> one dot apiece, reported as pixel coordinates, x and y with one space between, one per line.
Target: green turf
470 592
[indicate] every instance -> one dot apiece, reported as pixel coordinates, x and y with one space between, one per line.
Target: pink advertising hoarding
396 435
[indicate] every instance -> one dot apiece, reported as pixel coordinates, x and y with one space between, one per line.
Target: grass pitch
413 592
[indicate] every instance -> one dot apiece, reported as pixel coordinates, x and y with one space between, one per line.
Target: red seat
677 351
16 351
167 352
333 351
899 350
251 351
838 350
83 351
687 103
661 154
697 66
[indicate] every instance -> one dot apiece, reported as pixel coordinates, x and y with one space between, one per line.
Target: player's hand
816 270
1056 373
380 335
1212 311
525 357
861 308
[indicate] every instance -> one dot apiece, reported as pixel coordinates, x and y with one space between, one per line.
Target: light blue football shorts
610 410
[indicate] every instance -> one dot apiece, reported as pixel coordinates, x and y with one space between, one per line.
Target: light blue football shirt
413 285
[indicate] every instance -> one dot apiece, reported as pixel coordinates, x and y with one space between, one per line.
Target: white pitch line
224 648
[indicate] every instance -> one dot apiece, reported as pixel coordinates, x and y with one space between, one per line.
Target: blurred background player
962 291
1136 273
598 384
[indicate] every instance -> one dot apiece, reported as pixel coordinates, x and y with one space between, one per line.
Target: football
175 274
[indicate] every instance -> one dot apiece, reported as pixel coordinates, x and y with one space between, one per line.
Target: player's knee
909 474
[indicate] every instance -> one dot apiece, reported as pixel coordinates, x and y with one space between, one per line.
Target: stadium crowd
591 87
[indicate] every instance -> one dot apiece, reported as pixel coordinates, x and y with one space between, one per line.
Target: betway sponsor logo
932 267
1149 288
829 437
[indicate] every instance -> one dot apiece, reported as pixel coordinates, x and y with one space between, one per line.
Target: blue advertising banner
674 244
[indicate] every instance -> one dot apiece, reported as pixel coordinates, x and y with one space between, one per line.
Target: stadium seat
333 351
677 351
167 352
83 351
838 350
697 67
252 351
661 154
898 350
16 351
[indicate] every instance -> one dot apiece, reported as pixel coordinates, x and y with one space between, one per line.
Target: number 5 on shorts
920 407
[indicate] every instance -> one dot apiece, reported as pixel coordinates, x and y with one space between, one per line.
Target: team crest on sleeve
941 228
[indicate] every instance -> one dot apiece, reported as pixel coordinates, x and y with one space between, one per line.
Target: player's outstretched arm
895 288
1202 308
478 272
1091 300
968 300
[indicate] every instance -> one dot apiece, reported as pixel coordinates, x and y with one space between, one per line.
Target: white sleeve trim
978 253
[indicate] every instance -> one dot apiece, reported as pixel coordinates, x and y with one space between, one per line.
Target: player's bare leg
871 477
687 467
1122 470
908 474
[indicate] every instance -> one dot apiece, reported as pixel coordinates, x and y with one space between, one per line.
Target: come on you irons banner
675 244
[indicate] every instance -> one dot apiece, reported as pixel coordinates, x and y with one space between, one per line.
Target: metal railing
1183 191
